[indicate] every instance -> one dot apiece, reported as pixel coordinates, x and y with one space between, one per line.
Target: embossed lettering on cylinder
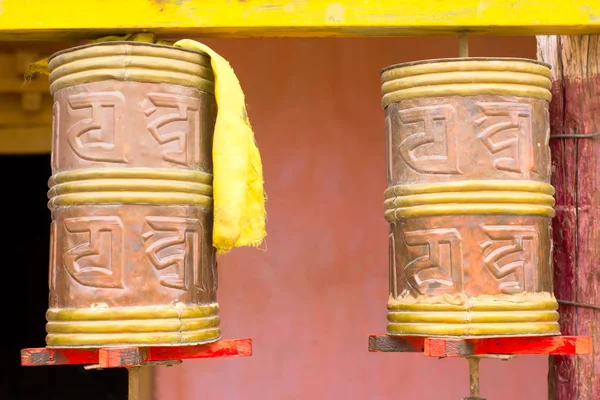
132 260
469 199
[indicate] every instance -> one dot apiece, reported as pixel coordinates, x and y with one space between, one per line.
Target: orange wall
311 300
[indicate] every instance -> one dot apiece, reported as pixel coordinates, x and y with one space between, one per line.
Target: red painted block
125 357
565 345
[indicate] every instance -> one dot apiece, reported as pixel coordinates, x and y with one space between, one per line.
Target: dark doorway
25 222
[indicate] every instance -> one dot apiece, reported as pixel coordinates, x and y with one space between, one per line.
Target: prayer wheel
131 259
469 199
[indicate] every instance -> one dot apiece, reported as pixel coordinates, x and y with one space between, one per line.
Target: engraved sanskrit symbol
95 251
511 250
184 130
429 141
176 244
99 136
437 267
516 144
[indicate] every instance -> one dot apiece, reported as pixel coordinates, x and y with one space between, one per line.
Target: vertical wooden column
575 110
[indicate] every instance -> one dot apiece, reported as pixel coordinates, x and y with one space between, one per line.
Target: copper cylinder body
469 199
132 261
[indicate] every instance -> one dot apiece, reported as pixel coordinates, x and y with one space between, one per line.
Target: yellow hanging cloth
239 200
238 194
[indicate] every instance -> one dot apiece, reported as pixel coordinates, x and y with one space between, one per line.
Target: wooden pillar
575 110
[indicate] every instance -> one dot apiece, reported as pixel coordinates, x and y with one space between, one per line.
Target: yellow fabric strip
239 199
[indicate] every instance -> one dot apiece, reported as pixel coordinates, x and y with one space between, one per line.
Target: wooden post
575 110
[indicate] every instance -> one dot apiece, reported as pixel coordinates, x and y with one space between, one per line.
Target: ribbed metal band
130 186
468 198
141 325
130 61
465 77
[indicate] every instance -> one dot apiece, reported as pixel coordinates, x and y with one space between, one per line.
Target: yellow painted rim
132 173
467 89
465 77
130 185
472 64
131 313
469 209
487 315
469 197
475 306
150 325
480 330
130 61
462 77
163 198
133 326
133 339
470 185
466 317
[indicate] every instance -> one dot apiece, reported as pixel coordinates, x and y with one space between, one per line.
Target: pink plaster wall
311 300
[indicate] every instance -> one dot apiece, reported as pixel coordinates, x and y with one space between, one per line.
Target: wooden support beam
127 357
68 19
575 110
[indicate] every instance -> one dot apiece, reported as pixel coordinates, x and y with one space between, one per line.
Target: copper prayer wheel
469 199
132 261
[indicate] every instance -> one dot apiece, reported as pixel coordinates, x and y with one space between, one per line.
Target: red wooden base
450 347
125 357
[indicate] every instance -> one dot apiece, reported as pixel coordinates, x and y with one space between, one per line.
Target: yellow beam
73 19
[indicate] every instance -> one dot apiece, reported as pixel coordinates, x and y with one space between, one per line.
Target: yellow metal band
491 306
470 185
130 61
132 173
141 325
130 185
485 315
469 198
462 77
133 326
471 64
467 89
477 329
91 340
465 77
164 198
466 317
469 209
129 313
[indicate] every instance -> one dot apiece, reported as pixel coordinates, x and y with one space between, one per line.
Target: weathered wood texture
575 109
126 357
450 348
390 344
